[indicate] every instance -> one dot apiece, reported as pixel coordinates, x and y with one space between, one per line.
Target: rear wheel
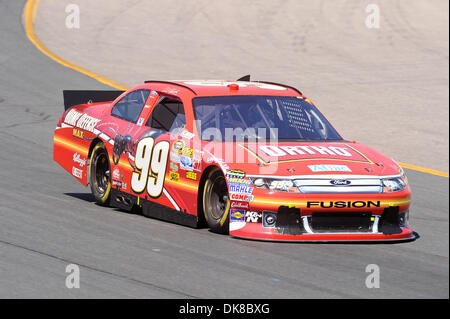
100 174
216 203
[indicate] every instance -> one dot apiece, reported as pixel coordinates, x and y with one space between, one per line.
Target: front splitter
270 234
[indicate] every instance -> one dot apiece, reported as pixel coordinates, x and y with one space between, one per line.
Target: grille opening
390 221
289 221
341 222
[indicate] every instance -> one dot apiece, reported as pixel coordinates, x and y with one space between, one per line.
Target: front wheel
100 175
216 202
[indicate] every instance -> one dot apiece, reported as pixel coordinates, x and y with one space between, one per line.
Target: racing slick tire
100 175
216 202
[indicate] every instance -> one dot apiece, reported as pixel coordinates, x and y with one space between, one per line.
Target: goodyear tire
216 203
100 175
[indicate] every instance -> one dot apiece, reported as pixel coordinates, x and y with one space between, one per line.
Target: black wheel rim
101 173
218 200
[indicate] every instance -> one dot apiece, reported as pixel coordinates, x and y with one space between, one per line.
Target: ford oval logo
340 182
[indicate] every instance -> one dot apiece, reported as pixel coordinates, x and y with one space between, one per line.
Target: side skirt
151 209
158 211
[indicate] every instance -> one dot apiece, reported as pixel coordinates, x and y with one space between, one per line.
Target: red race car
250 158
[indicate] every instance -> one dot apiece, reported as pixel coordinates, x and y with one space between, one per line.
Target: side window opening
168 115
130 106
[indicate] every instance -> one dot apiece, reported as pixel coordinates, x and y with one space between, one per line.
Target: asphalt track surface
48 220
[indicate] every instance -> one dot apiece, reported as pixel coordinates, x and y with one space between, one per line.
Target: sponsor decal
240 188
186 151
236 173
117 184
186 163
78 173
174 176
81 120
154 93
329 168
178 145
116 173
239 185
191 175
237 215
277 151
189 164
175 157
72 117
242 205
343 204
241 197
238 180
170 90
197 157
240 83
77 133
283 152
79 160
281 185
253 217
140 121
174 167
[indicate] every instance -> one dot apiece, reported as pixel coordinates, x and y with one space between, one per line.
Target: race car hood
305 158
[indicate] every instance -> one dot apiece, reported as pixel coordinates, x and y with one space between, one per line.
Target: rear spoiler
76 97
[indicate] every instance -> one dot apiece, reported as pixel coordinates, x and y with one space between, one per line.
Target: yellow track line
29 16
424 169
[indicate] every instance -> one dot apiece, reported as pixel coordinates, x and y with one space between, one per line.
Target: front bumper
282 219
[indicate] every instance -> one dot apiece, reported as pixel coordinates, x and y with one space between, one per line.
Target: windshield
231 118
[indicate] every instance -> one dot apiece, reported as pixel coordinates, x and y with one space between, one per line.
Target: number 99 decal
151 161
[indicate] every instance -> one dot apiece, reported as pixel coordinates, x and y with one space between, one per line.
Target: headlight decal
391 185
280 185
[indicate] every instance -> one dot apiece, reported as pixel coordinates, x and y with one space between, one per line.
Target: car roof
223 88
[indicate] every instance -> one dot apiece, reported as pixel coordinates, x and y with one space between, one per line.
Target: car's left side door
126 123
